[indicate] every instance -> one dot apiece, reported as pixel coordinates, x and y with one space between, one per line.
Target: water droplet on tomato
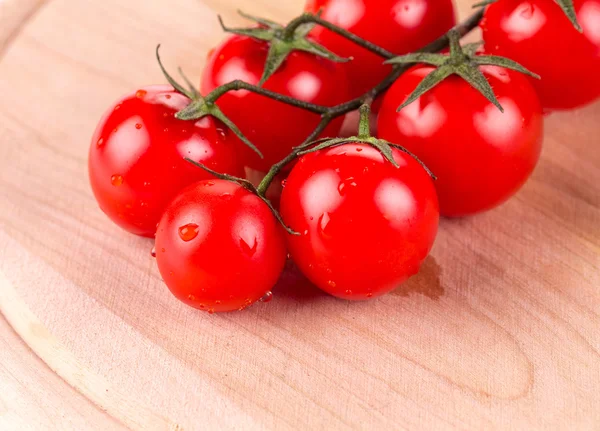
100 142
162 250
359 149
140 93
168 96
222 133
188 232
116 180
166 114
201 306
217 302
331 283
323 223
312 218
209 183
211 311
153 252
527 10
115 130
348 292
249 249
343 186
305 232
191 297
138 126
267 297
283 183
147 184
369 295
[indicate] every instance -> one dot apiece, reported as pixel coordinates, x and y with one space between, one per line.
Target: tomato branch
237 85
352 105
308 18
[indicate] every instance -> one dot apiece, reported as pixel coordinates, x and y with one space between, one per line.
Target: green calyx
461 61
566 6
569 10
363 137
200 106
282 41
248 186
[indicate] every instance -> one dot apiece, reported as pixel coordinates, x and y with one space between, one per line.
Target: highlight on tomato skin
538 35
219 247
136 158
274 127
481 156
400 26
365 226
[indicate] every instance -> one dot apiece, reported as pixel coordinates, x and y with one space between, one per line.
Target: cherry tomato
365 226
480 155
136 159
218 246
400 26
537 34
272 126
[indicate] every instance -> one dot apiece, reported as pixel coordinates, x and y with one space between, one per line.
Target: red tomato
218 246
400 26
136 159
537 34
366 226
272 126
480 155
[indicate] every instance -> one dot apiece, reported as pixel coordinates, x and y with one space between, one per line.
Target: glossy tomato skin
480 155
400 26
272 126
136 158
537 34
365 226
219 247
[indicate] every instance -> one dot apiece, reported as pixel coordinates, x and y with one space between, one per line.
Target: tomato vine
292 37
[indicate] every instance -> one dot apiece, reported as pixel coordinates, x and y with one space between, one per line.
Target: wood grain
500 330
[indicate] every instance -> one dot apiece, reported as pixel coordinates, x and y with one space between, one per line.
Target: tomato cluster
359 215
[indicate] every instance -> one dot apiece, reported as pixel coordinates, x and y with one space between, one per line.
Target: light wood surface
501 330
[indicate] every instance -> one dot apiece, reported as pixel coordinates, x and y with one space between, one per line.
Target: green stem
290 29
352 105
364 125
237 85
277 167
454 39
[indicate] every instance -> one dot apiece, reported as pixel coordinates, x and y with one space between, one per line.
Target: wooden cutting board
500 330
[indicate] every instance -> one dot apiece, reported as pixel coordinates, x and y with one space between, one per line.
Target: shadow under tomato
426 282
294 286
